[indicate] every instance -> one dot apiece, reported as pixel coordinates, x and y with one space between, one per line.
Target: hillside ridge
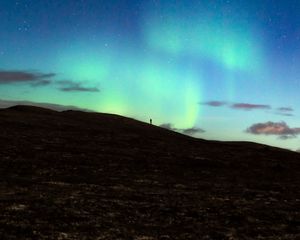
77 175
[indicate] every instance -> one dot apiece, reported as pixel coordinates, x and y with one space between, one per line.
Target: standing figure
151 121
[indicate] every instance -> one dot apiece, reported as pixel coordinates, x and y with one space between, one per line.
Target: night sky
223 69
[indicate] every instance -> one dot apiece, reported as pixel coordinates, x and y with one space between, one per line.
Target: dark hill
77 175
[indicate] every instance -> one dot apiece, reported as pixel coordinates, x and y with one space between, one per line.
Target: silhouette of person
151 121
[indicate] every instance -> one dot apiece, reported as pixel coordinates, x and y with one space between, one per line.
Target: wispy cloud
187 131
37 79
79 88
70 86
213 103
238 106
168 126
280 129
286 137
284 114
41 83
250 106
33 78
192 131
285 109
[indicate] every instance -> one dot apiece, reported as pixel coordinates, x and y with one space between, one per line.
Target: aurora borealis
218 66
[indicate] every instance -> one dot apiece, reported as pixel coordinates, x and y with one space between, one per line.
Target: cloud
243 106
250 106
214 103
286 137
78 88
168 126
285 109
285 114
187 131
35 78
192 131
41 83
280 129
57 107
70 86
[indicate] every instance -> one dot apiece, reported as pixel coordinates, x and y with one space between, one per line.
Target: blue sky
229 70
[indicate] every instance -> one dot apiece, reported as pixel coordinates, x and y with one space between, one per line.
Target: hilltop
85 175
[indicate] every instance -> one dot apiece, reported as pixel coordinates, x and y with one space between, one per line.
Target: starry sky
213 69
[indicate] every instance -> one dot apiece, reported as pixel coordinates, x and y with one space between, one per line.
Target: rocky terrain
76 175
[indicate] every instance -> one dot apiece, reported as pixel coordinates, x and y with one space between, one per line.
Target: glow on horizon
142 86
157 90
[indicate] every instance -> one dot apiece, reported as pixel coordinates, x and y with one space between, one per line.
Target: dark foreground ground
75 175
